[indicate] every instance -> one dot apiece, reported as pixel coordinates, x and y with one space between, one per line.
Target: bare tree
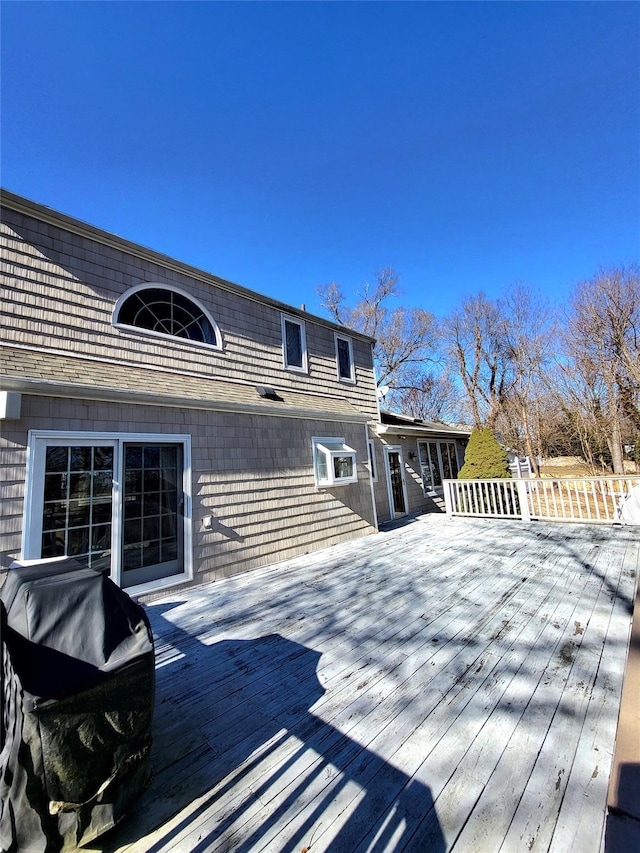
608 306
499 348
528 331
602 343
405 337
556 430
431 396
573 419
479 347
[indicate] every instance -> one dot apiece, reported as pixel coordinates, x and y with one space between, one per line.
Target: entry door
395 481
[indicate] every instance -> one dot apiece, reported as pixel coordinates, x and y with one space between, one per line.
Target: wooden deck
447 685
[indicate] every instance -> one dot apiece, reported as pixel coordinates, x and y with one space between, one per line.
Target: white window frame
319 446
428 487
426 468
39 440
296 321
162 335
351 379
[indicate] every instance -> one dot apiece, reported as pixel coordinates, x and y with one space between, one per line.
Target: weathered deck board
579 819
448 685
475 753
537 812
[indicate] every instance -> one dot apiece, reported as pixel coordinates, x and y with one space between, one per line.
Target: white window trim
34 493
428 489
149 332
287 318
351 379
331 481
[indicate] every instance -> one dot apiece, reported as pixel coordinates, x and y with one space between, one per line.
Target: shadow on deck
262 753
325 703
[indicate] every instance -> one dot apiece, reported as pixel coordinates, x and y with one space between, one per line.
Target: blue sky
287 145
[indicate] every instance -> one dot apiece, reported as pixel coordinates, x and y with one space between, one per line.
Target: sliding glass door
114 504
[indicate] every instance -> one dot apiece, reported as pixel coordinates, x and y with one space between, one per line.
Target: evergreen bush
484 459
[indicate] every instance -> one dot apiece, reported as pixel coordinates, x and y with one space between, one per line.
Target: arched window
166 311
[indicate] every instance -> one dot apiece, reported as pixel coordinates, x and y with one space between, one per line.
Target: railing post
448 500
523 499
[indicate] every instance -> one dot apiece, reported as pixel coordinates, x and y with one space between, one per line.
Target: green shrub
484 459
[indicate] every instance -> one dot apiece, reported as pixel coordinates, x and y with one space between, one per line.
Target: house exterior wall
251 461
251 473
60 289
417 501
380 490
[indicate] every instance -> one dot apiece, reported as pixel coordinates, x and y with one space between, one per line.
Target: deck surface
446 685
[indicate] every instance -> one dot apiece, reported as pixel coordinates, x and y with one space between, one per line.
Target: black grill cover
78 702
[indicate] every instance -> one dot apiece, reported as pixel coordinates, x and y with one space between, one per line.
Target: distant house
172 427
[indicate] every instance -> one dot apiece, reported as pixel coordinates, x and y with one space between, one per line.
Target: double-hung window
344 359
294 344
334 462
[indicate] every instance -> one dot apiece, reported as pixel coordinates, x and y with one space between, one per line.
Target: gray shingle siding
252 468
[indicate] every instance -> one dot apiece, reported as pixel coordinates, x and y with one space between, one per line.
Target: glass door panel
152 500
438 462
114 504
453 460
436 471
447 469
395 476
426 468
76 512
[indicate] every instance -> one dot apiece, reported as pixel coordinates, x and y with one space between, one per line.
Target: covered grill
78 694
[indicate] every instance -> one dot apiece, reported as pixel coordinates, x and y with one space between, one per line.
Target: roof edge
417 425
26 206
73 391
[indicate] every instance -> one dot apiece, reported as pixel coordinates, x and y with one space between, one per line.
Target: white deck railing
599 500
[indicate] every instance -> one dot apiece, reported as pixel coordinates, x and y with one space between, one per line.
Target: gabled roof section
11 201
56 374
393 424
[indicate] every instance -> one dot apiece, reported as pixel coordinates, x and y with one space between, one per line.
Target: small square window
344 359
334 462
294 344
